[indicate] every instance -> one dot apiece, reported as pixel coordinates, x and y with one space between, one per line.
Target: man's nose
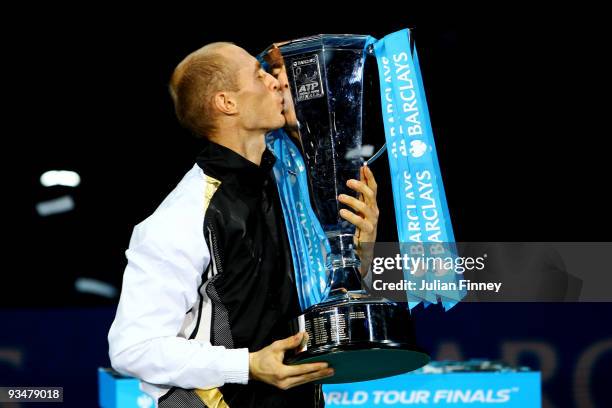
274 84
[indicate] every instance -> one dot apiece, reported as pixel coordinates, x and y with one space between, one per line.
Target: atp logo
144 401
306 88
417 148
307 78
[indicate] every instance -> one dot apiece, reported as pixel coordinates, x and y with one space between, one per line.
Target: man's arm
166 259
159 287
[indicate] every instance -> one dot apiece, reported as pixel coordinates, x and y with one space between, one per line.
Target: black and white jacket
209 278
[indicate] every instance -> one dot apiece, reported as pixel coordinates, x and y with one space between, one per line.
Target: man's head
280 73
221 88
278 70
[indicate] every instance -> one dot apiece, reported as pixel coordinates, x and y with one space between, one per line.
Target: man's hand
267 365
366 217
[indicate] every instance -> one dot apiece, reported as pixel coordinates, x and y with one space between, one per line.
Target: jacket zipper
216 259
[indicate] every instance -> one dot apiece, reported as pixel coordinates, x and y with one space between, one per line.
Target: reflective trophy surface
360 336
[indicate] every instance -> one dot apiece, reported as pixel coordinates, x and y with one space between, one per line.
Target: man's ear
226 102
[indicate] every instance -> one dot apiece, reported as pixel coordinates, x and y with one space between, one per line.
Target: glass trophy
362 337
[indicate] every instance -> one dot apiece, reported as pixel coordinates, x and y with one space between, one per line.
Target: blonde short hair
194 83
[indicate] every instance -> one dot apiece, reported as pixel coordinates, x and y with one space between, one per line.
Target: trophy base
360 337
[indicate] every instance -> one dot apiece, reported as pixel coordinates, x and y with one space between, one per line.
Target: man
209 287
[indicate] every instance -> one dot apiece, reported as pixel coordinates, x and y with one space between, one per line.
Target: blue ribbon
306 237
420 203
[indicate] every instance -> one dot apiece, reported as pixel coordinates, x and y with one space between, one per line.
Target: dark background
512 94
516 101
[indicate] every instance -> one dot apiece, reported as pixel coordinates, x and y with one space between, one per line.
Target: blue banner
420 204
495 389
306 237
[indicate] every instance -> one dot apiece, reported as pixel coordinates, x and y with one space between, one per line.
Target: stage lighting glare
60 178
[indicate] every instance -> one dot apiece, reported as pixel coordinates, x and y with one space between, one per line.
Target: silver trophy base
362 338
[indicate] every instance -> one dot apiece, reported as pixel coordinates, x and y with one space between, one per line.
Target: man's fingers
290 342
303 369
306 378
355 204
369 179
361 223
361 187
